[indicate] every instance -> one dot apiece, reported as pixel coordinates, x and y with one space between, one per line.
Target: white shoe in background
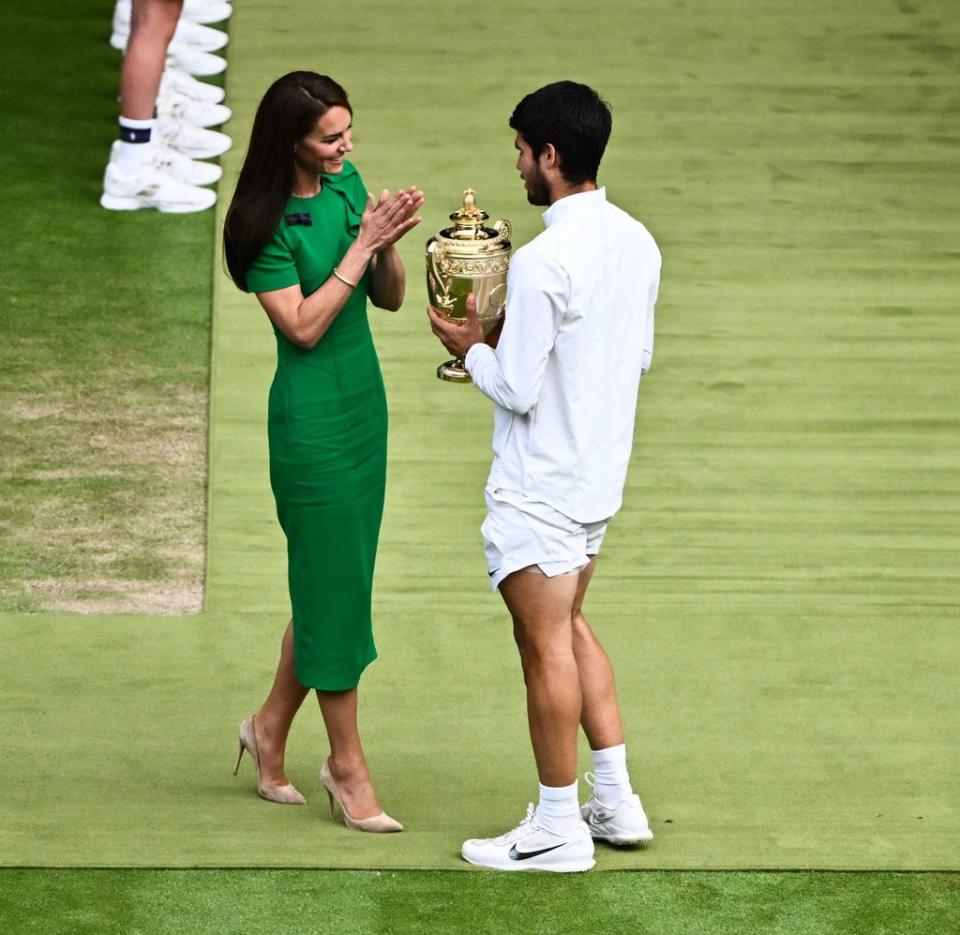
187 33
194 61
178 83
182 168
189 140
207 11
152 188
626 823
195 112
530 846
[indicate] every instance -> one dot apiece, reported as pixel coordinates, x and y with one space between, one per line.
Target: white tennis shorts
518 533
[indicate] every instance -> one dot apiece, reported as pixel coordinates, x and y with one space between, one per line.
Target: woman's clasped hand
388 218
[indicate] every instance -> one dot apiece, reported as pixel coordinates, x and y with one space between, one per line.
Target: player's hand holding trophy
463 259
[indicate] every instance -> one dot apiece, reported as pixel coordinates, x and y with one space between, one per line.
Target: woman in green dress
305 236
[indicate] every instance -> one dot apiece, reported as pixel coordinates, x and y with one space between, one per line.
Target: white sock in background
612 781
134 148
559 808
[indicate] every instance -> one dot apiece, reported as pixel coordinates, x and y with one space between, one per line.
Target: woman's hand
385 221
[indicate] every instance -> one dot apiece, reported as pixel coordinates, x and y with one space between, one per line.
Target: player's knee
541 653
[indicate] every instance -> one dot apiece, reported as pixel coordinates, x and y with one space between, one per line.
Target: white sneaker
531 847
200 11
195 112
186 33
194 61
207 11
152 188
176 82
189 140
625 824
182 168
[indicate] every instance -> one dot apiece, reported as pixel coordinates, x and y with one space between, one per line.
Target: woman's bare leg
348 765
272 722
152 25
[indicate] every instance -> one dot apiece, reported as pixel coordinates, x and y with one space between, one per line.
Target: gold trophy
465 258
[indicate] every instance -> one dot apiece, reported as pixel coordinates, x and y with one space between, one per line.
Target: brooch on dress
302 219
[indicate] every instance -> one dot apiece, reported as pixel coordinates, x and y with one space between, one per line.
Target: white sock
612 781
135 146
559 808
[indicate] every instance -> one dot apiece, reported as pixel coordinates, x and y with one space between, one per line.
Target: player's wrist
470 347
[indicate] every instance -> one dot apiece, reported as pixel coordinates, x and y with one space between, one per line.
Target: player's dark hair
288 112
571 116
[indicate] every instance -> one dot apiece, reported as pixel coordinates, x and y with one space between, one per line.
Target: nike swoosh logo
525 855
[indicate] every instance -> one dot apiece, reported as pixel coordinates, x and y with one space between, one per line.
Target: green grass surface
822 749
104 362
779 593
267 902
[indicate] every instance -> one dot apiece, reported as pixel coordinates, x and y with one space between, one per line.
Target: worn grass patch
104 365
104 497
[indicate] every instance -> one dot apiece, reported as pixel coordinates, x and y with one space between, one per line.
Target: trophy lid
468 221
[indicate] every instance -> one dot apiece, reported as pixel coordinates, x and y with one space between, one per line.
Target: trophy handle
441 285
502 227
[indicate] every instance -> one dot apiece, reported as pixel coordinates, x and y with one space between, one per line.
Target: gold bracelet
344 279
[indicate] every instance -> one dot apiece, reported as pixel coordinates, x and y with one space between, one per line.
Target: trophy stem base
453 371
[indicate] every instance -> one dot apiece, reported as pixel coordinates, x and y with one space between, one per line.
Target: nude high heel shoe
285 795
379 824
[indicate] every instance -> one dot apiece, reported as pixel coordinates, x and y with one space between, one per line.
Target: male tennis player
564 377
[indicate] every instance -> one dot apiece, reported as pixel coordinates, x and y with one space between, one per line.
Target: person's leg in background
144 171
152 25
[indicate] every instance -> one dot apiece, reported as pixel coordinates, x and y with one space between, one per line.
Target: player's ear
549 157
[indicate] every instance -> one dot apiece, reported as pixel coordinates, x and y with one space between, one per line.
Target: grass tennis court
779 593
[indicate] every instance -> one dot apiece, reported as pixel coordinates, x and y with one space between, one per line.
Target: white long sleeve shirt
566 371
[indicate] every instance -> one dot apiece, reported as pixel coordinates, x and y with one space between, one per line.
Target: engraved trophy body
465 258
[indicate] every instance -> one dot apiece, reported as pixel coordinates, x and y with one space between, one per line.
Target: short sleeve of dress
359 195
350 183
274 268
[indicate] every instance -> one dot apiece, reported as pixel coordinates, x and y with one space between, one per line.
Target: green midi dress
327 428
